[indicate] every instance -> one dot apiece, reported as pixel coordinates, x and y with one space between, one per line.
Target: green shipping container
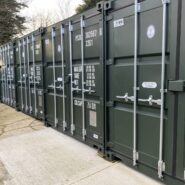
145 86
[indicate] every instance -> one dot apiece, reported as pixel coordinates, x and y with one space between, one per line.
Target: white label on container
151 31
95 136
47 41
119 23
38 46
92 118
59 79
149 85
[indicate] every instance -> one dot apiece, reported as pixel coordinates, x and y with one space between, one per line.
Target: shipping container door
56 75
141 142
86 66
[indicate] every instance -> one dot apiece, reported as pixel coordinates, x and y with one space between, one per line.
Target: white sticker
59 48
149 85
151 31
119 23
59 79
47 41
95 136
38 46
92 118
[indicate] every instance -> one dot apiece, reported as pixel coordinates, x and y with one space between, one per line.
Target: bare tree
64 8
40 18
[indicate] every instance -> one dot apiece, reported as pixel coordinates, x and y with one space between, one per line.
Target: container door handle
126 97
150 100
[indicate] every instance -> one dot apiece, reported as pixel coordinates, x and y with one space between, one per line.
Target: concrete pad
15 123
50 158
31 154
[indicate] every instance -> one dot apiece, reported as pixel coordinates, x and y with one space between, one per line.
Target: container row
112 77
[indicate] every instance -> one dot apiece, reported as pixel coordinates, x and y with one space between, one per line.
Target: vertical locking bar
29 88
135 153
63 78
161 164
10 80
20 70
83 83
54 76
34 75
25 75
71 75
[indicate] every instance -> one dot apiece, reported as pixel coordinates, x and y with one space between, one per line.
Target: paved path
31 154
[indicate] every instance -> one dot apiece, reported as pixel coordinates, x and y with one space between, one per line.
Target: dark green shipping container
145 86
74 76
30 83
112 77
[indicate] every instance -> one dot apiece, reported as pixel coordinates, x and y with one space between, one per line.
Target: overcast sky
50 5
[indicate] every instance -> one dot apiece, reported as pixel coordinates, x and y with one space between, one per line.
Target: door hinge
110 62
110 104
109 18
